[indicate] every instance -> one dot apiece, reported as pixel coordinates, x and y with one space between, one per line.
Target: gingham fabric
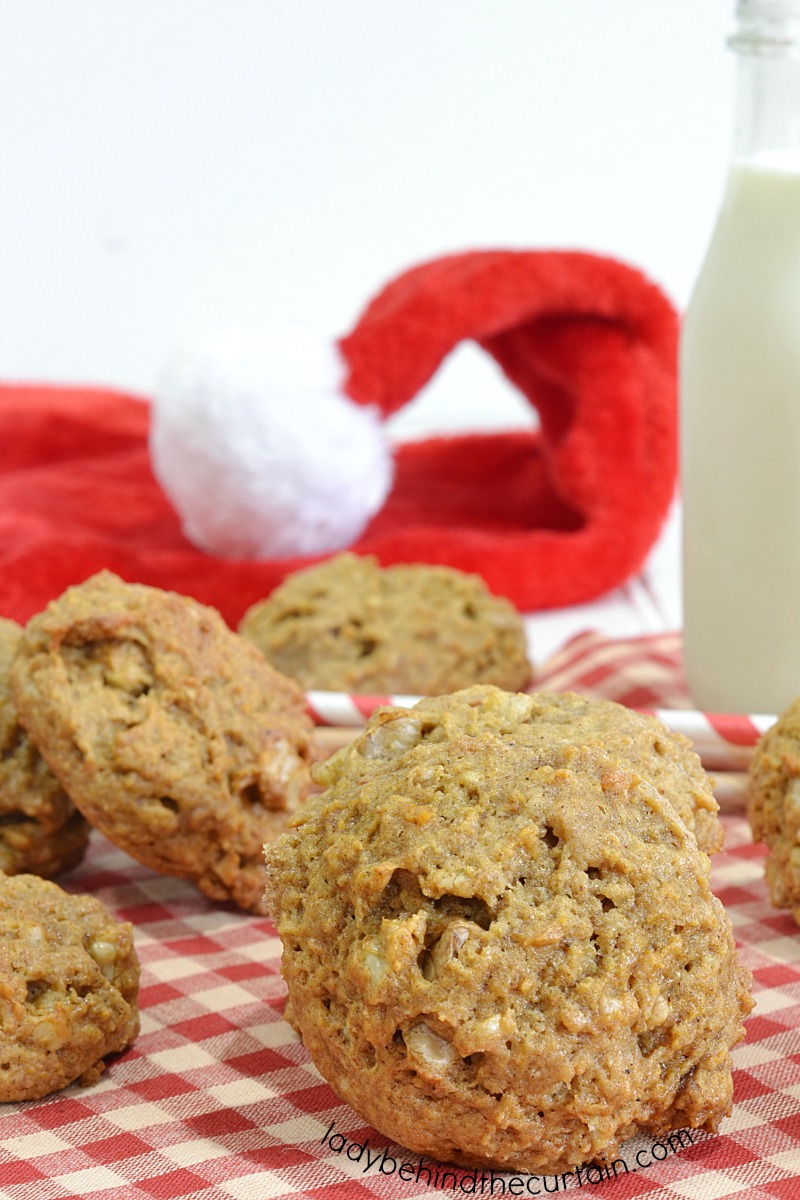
218 1099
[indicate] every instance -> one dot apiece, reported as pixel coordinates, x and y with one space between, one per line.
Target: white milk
740 416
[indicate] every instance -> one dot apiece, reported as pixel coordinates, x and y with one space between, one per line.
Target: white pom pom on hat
260 450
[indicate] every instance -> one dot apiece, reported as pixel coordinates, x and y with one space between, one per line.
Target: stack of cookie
140 713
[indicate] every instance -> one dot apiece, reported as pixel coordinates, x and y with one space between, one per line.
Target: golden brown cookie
171 734
500 943
774 808
664 758
69 980
40 829
351 625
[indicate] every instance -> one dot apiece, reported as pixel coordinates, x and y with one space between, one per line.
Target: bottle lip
768 10
767 27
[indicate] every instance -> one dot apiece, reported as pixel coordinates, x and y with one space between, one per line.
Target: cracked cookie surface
172 735
351 625
69 980
41 831
500 943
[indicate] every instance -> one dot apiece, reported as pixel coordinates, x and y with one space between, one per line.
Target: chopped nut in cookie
537 970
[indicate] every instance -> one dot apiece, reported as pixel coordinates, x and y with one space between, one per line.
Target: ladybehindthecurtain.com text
490 1183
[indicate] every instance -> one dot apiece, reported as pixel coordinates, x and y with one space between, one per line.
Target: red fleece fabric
548 518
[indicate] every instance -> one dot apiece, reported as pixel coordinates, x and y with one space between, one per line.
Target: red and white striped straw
724 741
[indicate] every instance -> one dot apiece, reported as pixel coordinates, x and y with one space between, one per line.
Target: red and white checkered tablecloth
218 1099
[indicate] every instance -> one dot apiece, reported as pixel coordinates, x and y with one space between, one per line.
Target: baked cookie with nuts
41 831
774 806
499 939
69 979
351 625
172 735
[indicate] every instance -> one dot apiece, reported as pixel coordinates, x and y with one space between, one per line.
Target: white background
169 165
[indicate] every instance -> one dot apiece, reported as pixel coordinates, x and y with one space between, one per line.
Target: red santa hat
255 473
551 517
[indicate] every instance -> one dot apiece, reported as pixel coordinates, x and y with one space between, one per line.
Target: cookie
662 757
40 829
774 806
350 625
171 734
69 978
499 939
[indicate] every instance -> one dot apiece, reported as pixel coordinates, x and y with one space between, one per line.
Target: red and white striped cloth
217 1100
642 672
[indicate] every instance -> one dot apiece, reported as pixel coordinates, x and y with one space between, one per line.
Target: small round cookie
69 977
172 735
350 625
774 806
503 951
40 829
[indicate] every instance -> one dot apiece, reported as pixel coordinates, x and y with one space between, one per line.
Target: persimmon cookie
499 939
172 735
774 807
350 625
69 978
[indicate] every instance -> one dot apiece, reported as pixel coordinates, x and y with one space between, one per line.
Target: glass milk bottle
740 395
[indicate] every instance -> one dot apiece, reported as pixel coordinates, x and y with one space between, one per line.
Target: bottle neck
767 122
